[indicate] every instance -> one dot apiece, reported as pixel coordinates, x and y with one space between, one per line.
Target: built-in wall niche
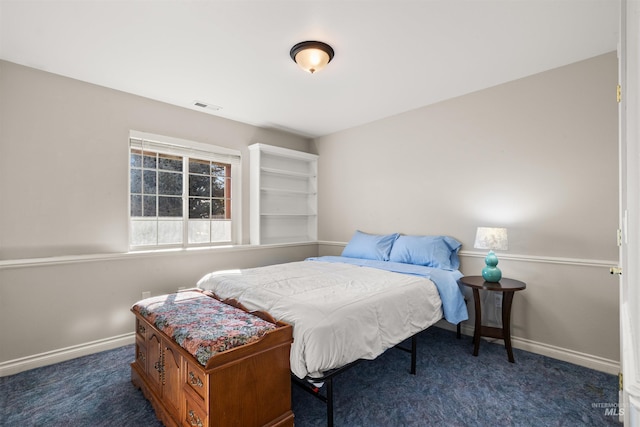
284 195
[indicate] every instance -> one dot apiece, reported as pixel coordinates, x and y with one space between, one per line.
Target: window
181 193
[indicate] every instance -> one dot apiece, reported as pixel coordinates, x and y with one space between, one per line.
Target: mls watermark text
612 409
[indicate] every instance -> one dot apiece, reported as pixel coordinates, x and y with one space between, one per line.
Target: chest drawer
141 354
197 380
195 416
141 329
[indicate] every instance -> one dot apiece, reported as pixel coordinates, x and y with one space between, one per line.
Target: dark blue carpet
451 388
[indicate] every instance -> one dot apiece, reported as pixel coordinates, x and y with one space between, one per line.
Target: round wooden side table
508 287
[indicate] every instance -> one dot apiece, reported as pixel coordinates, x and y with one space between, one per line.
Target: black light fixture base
311 45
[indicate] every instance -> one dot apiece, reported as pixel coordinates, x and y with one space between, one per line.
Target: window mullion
157 199
185 201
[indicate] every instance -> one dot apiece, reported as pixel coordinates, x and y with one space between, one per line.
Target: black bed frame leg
330 402
414 354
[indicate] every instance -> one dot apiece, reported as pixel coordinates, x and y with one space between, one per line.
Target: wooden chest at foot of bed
204 363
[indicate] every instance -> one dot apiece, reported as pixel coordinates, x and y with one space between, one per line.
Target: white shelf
288 173
283 198
293 215
285 239
288 192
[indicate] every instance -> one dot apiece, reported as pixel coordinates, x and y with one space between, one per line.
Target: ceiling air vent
206 105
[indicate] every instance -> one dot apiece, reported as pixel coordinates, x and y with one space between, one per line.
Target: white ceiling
391 56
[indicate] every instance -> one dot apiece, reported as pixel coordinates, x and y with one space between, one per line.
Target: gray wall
536 155
58 305
64 160
63 194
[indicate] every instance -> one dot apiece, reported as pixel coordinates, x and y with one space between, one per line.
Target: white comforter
339 312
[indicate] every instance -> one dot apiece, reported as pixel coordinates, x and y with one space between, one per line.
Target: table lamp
491 238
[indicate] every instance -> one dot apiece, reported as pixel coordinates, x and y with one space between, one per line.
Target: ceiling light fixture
311 56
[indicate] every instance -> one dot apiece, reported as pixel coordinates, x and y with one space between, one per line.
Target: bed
382 290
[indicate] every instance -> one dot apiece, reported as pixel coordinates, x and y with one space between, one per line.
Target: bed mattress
339 312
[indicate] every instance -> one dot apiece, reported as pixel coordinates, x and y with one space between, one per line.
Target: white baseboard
582 359
15 366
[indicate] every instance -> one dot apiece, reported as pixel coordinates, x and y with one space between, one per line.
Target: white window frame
197 150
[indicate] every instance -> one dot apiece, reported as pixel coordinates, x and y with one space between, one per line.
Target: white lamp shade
493 238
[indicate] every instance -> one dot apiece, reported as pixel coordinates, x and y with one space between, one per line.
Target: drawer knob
195 380
194 420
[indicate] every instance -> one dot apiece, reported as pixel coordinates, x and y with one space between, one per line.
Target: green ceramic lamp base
490 272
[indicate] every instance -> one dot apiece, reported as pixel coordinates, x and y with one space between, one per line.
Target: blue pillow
431 251
370 246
